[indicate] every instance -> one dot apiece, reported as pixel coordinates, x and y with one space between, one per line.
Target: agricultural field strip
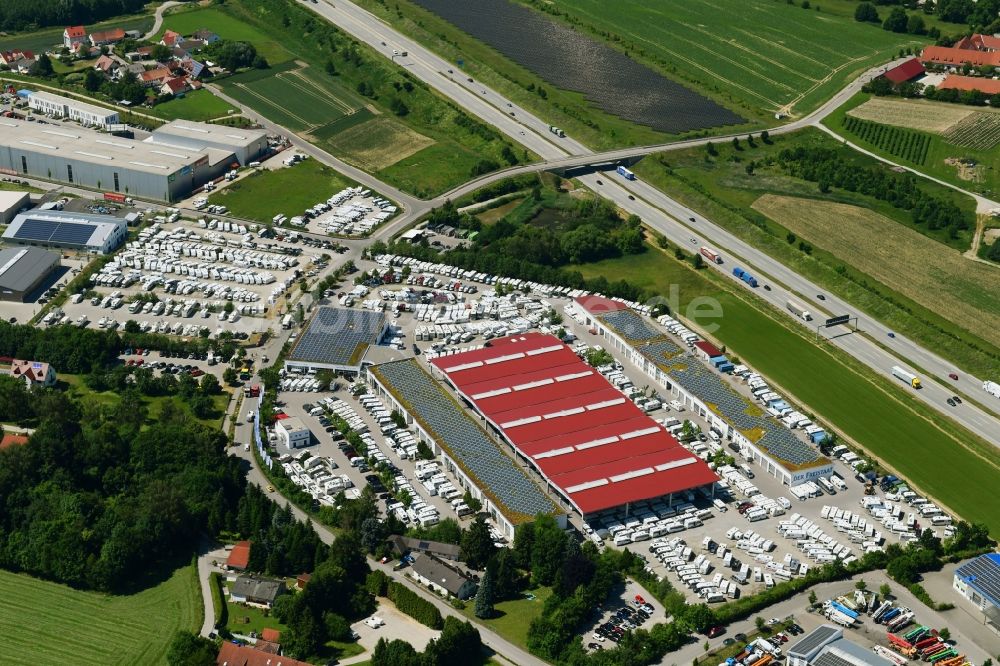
253 93
979 131
317 90
936 118
909 144
960 289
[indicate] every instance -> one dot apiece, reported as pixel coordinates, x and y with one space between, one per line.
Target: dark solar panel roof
813 640
466 442
983 574
48 231
338 336
629 325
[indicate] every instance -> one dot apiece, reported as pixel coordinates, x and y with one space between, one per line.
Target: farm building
58 106
826 646
958 82
978 581
12 203
292 432
83 232
86 158
950 56
337 339
10 439
686 378
246 144
239 556
594 448
23 270
904 72
435 574
257 590
466 449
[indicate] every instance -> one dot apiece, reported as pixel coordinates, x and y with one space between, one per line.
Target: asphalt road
663 213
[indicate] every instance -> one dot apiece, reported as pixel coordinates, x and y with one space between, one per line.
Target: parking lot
398 626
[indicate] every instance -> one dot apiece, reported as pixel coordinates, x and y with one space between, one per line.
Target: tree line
978 15
32 14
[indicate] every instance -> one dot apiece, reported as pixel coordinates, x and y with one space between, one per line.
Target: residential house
174 86
193 68
239 556
231 654
976 50
978 42
170 38
206 36
189 46
154 78
302 580
73 36
269 641
111 66
34 373
435 574
18 60
257 590
404 545
106 37
10 439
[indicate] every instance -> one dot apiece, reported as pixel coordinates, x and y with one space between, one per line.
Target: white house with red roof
34 373
106 37
170 38
73 35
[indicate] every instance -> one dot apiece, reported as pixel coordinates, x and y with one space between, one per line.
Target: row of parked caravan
420 512
184 242
298 380
316 475
645 521
904 521
819 546
344 410
854 526
435 482
616 376
686 335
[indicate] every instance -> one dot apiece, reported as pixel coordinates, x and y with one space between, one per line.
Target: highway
671 218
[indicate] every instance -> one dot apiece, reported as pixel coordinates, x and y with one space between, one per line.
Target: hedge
377 583
421 610
218 600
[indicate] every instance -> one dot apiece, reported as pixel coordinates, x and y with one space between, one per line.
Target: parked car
715 631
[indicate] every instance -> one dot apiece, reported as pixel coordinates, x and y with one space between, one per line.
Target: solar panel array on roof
814 639
46 231
983 573
338 336
660 351
466 442
629 325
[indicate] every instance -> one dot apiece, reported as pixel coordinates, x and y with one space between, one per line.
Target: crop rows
910 145
980 131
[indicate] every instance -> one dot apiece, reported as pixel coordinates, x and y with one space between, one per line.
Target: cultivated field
966 292
920 115
762 54
898 141
980 131
378 143
48 623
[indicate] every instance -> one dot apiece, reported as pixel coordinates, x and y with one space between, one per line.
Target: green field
41 40
197 105
186 21
288 190
721 189
939 156
48 623
514 617
872 411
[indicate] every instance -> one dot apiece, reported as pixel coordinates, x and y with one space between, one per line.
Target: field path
158 17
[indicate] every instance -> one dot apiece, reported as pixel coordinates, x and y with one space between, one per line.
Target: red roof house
231 654
905 71
953 57
155 77
74 35
239 557
10 439
174 86
270 635
34 373
170 38
105 37
956 82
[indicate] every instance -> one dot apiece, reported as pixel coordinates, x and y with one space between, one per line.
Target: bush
377 583
421 610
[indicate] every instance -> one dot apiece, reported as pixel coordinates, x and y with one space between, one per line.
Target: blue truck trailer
745 276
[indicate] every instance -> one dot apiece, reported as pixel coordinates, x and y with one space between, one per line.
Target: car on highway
956 399
632 198
953 375
599 182
951 401
767 287
891 334
270 488
821 297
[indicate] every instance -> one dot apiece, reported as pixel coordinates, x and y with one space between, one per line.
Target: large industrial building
826 646
978 580
337 339
593 446
83 157
95 234
245 144
23 270
684 376
58 106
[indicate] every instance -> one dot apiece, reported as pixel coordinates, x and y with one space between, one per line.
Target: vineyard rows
910 145
980 131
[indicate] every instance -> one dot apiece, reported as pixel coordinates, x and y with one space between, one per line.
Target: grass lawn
245 619
15 187
188 20
720 189
41 40
984 179
514 617
197 105
48 623
288 190
875 413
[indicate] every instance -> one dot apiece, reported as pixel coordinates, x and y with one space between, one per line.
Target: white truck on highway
992 388
799 311
906 376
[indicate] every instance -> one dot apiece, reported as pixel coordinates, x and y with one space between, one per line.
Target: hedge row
218 600
419 609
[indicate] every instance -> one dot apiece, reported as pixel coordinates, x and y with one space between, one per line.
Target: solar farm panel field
763 55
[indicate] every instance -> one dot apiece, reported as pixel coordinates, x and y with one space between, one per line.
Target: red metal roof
239 557
905 71
944 55
599 304
986 86
582 434
708 348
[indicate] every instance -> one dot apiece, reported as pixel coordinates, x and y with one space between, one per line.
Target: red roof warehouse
583 435
905 71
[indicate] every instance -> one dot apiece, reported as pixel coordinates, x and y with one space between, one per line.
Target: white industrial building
58 106
82 232
292 432
245 144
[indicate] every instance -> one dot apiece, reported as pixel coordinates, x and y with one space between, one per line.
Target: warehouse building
86 158
23 270
82 232
12 203
58 106
245 144
684 376
337 339
595 449
978 580
826 646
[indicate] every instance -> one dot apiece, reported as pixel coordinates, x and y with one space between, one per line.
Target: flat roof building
22 270
594 447
83 232
978 580
12 203
83 157
292 432
246 144
826 646
58 106
337 339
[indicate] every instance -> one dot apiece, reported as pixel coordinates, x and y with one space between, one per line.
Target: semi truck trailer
906 376
746 277
711 255
799 311
625 173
